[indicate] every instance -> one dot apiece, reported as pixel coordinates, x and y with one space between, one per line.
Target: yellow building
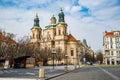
56 36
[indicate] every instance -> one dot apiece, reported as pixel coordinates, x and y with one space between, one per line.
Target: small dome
53 17
53 20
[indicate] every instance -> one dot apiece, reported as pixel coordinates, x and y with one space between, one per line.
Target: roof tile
71 38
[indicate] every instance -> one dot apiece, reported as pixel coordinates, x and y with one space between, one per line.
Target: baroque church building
55 36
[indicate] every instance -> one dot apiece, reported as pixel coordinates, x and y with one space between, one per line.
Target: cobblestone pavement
32 73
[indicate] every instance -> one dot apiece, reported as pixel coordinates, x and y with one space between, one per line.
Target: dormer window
116 34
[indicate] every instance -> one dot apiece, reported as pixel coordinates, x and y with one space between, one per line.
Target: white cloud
67 8
107 13
102 17
76 8
89 3
97 4
87 19
20 21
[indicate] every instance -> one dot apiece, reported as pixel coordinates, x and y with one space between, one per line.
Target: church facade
55 36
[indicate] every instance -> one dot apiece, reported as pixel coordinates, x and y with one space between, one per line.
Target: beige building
56 36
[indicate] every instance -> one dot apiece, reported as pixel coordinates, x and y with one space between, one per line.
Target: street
92 73
83 73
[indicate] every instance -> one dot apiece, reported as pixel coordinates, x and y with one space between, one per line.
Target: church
55 36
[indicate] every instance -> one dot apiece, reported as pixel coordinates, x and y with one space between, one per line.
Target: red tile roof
110 34
71 38
5 39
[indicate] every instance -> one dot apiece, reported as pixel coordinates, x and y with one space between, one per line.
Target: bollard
65 68
75 66
41 73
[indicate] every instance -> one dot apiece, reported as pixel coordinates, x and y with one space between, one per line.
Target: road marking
113 76
30 73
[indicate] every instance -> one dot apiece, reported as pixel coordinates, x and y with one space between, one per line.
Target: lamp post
66 56
78 56
53 53
66 69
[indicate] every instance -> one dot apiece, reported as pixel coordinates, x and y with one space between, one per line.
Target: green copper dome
36 21
36 18
61 12
61 16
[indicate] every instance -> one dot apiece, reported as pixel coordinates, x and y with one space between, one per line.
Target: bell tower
61 28
35 35
61 32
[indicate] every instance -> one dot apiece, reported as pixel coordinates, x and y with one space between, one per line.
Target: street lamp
78 56
53 53
84 60
66 56
66 69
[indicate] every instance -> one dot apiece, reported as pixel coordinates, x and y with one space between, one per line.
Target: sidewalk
32 74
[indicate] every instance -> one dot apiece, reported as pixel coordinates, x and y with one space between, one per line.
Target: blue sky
86 19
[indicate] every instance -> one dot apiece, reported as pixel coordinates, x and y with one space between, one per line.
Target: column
115 62
110 61
106 61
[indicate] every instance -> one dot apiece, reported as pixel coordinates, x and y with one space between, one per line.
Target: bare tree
99 56
7 45
46 55
59 55
23 47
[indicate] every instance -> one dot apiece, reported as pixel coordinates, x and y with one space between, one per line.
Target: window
117 39
105 39
54 33
45 48
106 46
111 46
72 53
59 32
33 35
107 53
53 42
110 39
117 45
48 34
111 52
58 42
39 36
